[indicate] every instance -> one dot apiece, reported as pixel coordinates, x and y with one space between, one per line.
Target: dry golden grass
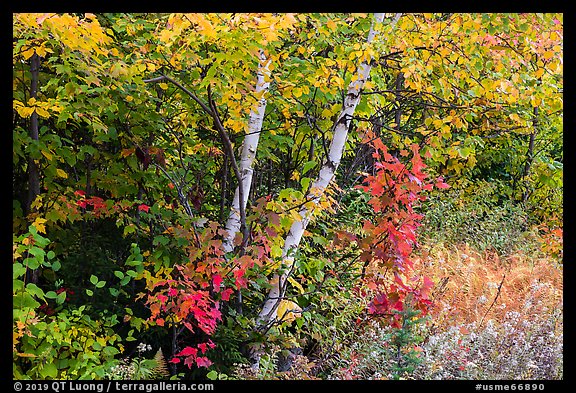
474 287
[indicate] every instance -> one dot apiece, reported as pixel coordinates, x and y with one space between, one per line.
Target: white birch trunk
327 172
249 148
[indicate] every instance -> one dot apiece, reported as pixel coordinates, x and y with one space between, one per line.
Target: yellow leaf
25 111
26 355
28 53
39 224
297 92
295 215
295 176
163 86
46 154
41 51
539 73
288 310
296 284
61 173
42 112
331 25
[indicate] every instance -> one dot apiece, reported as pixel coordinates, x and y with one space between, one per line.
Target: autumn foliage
286 195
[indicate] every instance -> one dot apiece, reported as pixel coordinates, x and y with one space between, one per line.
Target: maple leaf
426 286
226 294
203 361
172 292
189 361
188 351
40 224
144 208
216 281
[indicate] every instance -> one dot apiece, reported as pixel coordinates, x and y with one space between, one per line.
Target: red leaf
440 183
80 192
144 208
188 351
202 347
162 298
426 286
216 281
175 360
226 294
172 292
189 326
203 361
160 322
189 361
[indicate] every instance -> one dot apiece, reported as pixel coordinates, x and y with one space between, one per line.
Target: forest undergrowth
493 318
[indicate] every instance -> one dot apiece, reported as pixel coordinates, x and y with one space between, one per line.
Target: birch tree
328 170
248 155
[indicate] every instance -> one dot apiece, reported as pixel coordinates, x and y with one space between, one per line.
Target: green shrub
477 213
51 341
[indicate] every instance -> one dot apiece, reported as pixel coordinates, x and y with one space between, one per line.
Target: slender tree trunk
224 190
267 314
530 154
398 96
249 148
33 170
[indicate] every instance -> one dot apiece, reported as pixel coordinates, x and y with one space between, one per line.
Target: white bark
327 172
249 148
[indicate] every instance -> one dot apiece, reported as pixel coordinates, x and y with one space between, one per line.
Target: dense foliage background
428 246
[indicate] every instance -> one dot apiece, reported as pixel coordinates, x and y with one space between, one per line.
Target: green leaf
34 290
309 165
160 240
49 371
100 284
119 274
51 295
61 297
89 292
93 279
111 351
18 270
56 265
